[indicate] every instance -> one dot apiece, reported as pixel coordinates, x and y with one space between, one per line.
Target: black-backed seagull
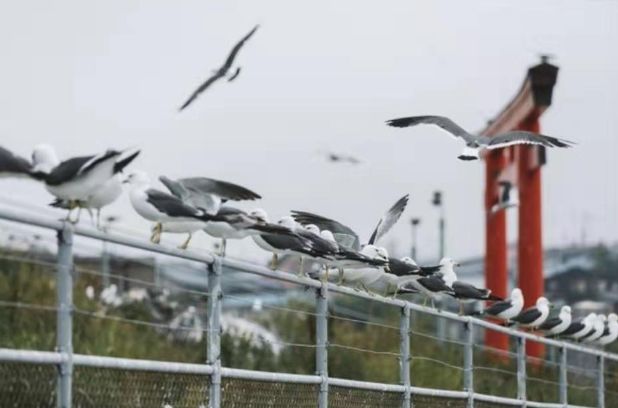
345 236
206 193
556 325
580 328
475 144
408 266
506 309
161 208
534 316
222 71
598 327
431 286
610 334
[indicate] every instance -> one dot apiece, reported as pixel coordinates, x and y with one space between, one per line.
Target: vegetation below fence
116 331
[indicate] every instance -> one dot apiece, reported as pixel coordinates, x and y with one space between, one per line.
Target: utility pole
415 223
437 202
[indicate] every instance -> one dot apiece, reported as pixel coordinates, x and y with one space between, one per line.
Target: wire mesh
241 393
495 371
345 397
27 385
96 387
611 383
543 373
426 401
582 372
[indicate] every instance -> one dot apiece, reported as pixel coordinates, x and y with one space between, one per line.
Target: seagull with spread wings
475 144
222 71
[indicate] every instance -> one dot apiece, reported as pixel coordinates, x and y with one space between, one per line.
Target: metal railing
215 374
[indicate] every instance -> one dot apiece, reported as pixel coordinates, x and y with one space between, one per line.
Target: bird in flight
222 71
475 144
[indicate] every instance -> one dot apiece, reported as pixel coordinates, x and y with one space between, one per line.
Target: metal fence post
321 351
600 382
64 325
404 353
213 353
469 362
564 399
521 370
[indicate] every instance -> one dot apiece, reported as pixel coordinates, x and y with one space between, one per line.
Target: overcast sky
319 75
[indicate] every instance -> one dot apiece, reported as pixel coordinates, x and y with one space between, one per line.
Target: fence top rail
205 257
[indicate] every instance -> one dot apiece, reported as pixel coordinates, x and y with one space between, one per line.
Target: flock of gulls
190 205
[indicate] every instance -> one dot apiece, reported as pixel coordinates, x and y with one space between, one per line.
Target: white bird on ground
556 325
533 316
610 334
475 144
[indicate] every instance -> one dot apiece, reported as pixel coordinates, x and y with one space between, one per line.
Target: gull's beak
125 181
457 264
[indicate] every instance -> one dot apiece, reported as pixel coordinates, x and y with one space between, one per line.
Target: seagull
12 165
598 327
431 286
344 235
534 316
580 328
222 71
557 325
102 197
611 331
408 266
504 199
206 193
462 291
341 158
160 207
506 309
476 144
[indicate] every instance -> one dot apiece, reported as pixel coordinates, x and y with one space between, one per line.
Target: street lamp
415 223
437 202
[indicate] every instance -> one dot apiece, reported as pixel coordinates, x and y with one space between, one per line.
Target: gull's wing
528 316
12 164
76 166
440 121
389 219
215 77
516 137
344 235
467 291
550 323
223 189
435 284
498 307
170 205
574 327
399 268
230 59
234 75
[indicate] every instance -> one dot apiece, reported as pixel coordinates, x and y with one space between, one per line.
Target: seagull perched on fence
408 266
222 71
534 316
345 236
598 327
580 328
610 334
557 325
475 144
506 309
432 287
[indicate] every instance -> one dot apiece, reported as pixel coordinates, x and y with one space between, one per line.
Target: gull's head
517 295
469 153
602 318
448 262
312 228
542 302
44 158
138 178
612 318
259 214
375 252
590 318
565 310
408 261
287 222
327 235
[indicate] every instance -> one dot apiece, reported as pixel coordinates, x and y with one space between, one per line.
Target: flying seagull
533 316
475 144
506 309
504 199
223 70
341 158
344 235
556 325
206 193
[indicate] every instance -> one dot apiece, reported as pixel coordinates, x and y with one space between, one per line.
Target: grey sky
319 75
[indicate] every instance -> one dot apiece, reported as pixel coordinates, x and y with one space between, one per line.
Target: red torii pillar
522 113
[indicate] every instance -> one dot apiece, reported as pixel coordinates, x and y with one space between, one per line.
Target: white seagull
533 316
475 144
580 328
610 334
598 327
556 325
506 309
